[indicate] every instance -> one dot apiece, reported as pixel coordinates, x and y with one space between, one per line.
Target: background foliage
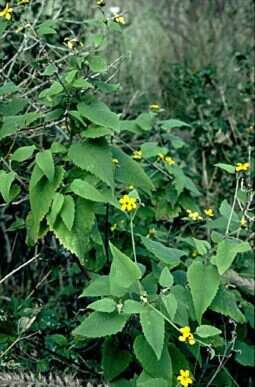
103 292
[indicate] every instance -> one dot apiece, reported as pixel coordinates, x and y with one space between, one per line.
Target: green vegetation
126 193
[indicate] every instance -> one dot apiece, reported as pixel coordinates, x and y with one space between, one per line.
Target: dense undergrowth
127 201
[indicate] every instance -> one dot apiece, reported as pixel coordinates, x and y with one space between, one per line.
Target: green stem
233 207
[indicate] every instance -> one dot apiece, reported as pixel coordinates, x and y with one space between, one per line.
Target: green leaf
56 207
225 303
77 240
226 211
170 304
124 272
152 382
130 172
244 354
41 194
201 246
96 132
55 89
107 305
132 307
170 257
98 287
158 368
115 360
144 121
7 189
70 76
226 167
49 70
11 124
8 88
198 274
152 149
87 191
97 63
98 113
46 163
23 153
68 211
207 331
94 157
166 279
99 324
47 28
153 326
227 251
173 123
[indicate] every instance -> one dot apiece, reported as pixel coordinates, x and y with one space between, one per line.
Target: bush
127 241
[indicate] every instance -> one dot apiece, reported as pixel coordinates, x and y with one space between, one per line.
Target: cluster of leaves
173 261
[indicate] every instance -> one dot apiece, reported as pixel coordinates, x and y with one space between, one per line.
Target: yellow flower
243 222
101 3
72 43
209 212
137 155
169 160
155 107
119 19
186 336
131 187
194 215
184 378
115 161
242 167
6 12
23 1
127 203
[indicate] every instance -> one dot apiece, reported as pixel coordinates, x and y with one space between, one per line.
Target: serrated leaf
158 368
77 239
23 153
153 326
98 113
94 157
170 257
11 124
68 212
98 287
145 121
56 207
124 272
226 167
107 305
87 191
96 132
8 88
173 123
7 189
132 307
197 274
166 279
41 194
227 251
225 303
97 63
99 324
170 303
46 163
207 331
130 172
115 360
244 354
